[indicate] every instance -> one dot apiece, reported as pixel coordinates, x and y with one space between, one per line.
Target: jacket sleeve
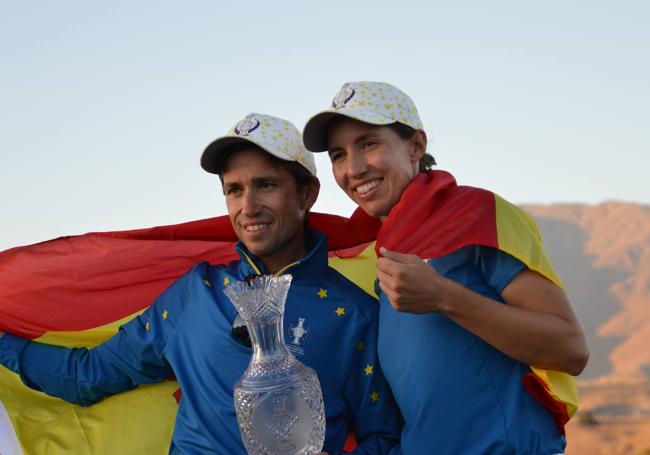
497 267
133 356
377 420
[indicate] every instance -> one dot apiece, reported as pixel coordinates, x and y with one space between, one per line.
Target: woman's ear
419 145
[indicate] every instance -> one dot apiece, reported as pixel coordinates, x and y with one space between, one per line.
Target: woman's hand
411 284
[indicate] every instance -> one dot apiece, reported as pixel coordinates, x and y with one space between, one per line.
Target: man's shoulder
205 274
346 289
204 268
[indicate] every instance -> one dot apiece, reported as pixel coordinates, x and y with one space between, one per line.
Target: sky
105 107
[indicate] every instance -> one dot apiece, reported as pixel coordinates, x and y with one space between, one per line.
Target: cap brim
210 156
314 134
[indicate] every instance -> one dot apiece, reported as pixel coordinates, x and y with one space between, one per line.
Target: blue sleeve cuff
11 347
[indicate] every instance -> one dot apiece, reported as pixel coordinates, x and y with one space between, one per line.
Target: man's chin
256 248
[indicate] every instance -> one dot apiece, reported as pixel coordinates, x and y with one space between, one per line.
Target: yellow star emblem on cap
340 311
226 281
165 314
374 396
368 370
322 293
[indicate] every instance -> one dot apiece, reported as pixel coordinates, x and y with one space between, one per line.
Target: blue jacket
187 333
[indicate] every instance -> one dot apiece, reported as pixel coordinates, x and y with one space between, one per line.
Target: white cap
376 103
274 135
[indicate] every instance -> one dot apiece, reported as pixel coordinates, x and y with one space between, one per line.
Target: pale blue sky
106 107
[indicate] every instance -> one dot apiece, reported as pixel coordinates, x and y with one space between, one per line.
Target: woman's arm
536 327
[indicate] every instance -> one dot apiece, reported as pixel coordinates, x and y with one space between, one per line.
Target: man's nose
250 203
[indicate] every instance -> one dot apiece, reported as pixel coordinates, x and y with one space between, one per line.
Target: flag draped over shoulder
77 291
76 283
435 216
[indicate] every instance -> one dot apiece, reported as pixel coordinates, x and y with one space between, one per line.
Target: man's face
372 164
265 208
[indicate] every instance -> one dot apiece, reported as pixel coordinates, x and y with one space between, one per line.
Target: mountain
602 254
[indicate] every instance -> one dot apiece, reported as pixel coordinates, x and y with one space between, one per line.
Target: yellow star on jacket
340 311
374 396
368 370
226 281
322 293
165 314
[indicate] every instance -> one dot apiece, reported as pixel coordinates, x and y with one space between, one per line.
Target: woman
473 339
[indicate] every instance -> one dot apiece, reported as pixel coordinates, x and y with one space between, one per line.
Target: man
190 331
468 338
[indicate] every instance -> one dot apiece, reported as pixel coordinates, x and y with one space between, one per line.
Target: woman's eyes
335 156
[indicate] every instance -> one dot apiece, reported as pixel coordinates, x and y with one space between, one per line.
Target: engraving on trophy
282 423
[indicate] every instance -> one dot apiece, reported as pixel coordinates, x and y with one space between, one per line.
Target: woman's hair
406 132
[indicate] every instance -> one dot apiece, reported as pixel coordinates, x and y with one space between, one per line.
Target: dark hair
301 175
406 132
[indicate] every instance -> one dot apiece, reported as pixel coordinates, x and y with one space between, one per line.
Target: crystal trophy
278 400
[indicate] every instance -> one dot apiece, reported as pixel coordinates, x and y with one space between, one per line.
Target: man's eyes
268 185
237 190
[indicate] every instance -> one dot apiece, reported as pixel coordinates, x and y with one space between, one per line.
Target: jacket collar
314 261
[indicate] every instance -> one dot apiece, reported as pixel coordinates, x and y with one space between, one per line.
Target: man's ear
310 194
418 145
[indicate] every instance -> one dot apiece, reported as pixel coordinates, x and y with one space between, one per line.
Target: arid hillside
602 254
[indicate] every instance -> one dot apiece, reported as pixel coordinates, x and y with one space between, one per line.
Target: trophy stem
268 341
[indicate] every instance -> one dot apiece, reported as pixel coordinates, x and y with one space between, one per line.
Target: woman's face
373 164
